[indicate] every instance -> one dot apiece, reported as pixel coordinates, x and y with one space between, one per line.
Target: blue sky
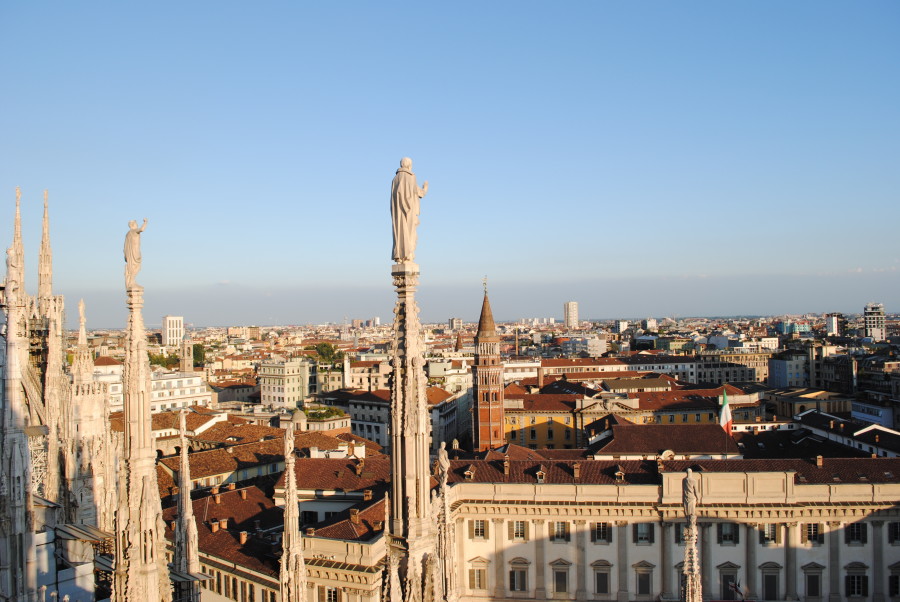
650 158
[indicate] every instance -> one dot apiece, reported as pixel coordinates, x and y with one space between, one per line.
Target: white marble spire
45 264
412 527
18 571
187 551
82 362
141 570
293 566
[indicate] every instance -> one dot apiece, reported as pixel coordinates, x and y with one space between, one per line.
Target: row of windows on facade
240 590
644 533
856 581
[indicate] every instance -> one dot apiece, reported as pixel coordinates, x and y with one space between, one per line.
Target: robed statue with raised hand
405 195
690 496
133 252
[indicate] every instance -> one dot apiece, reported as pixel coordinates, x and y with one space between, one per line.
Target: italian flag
725 419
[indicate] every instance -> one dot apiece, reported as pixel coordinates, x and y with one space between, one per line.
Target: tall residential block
873 315
172 330
570 314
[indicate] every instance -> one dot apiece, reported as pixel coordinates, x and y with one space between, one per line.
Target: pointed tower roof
15 257
486 327
45 260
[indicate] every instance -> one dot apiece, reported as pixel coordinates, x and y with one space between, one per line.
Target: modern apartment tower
172 330
570 315
873 315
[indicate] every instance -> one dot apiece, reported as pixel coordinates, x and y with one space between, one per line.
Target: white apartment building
285 384
172 330
168 390
570 315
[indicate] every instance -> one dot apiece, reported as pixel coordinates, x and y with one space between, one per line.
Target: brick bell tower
487 378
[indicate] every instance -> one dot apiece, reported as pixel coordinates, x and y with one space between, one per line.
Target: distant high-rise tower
487 379
833 324
570 314
172 330
874 321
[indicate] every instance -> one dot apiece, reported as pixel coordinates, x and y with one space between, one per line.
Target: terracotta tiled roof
222 460
372 448
105 360
655 438
330 473
435 395
370 522
257 553
540 402
228 433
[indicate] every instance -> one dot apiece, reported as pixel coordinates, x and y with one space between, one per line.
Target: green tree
199 354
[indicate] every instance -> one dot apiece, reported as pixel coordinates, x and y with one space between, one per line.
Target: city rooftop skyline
652 160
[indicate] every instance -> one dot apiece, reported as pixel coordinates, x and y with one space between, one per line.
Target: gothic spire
82 366
45 263
15 260
293 567
187 553
141 570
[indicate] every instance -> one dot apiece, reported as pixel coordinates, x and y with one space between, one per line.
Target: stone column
580 569
622 537
878 560
499 560
540 561
665 559
834 559
790 561
706 561
750 537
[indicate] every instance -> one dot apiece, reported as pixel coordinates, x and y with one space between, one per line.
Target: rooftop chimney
379 525
242 537
214 525
214 490
354 516
243 494
506 464
310 531
230 486
223 523
831 424
217 498
877 438
819 461
576 470
367 494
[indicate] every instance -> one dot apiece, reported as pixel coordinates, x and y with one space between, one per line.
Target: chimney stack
223 523
818 461
242 538
243 494
310 531
367 495
506 464
354 516
576 470
214 525
231 486
214 490
217 498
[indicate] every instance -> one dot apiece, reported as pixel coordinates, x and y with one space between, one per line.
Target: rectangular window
813 585
518 529
567 434
855 533
518 580
894 533
601 582
559 531
769 533
477 578
812 533
331 594
602 533
894 586
770 586
643 533
728 585
857 585
560 581
644 587
478 529
671 418
549 433
533 433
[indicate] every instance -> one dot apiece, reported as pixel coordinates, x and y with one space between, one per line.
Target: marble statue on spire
405 195
293 566
133 252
